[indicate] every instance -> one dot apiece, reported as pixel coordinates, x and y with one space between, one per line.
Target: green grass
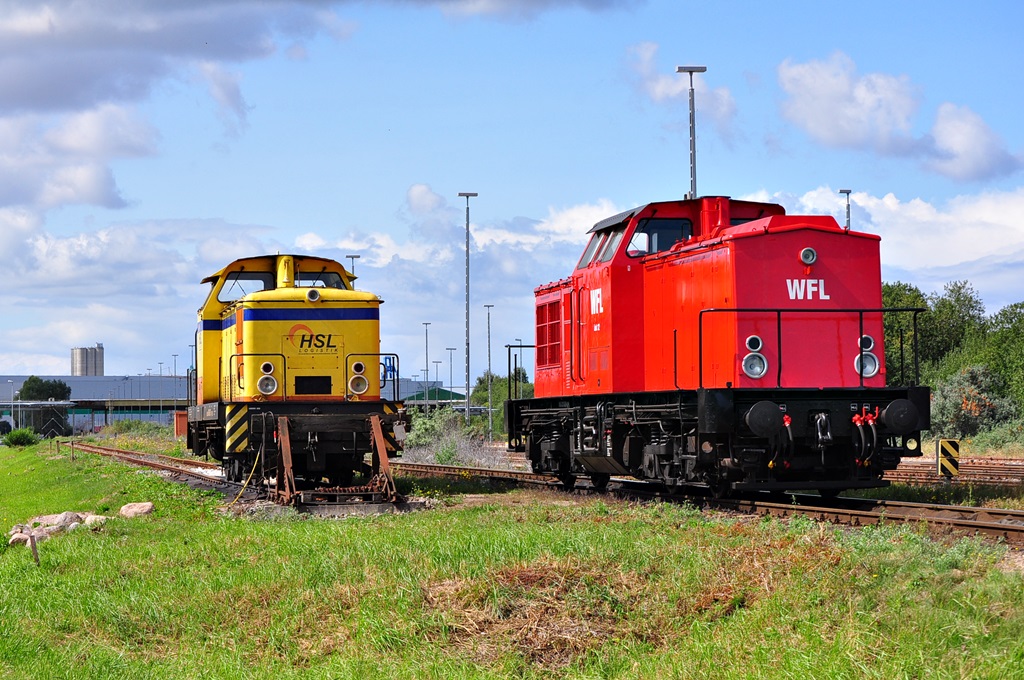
527 584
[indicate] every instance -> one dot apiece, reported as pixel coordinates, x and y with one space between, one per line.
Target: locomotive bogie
726 439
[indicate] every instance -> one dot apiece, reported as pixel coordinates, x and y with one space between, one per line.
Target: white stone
136 509
18 539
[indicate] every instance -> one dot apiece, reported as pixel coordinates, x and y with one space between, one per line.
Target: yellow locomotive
290 381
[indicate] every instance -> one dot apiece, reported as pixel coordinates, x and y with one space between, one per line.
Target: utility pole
490 379
467 195
693 127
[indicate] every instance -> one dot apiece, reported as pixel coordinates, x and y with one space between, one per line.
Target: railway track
977 471
326 502
1005 525
202 472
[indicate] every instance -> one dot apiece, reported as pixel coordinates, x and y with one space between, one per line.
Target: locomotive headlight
358 384
808 256
312 295
867 343
754 343
358 367
866 364
267 384
267 368
755 365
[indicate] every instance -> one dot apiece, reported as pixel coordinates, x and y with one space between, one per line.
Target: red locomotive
722 343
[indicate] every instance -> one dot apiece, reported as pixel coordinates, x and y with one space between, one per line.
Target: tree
954 317
1003 350
37 389
899 330
499 395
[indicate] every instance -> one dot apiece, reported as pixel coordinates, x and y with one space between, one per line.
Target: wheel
720 489
599 480
829 494
233 469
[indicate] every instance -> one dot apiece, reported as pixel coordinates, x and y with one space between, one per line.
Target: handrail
380 364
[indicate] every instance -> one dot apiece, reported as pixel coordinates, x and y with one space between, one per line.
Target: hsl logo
302 337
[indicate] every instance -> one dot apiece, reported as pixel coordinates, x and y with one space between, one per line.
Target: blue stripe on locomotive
293 315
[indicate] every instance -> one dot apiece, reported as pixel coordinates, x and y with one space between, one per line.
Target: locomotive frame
671 354
286 384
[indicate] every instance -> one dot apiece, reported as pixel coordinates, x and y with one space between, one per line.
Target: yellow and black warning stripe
389 433
948 454
236 428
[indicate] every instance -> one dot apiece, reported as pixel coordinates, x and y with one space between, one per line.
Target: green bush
970 402
999 437
23 436
428 428
447 455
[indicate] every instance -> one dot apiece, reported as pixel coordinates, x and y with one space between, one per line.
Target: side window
655 235
639 245
549 334
320 279
612 245
588 254
239 284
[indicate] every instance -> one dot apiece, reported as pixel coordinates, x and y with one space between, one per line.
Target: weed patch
548 612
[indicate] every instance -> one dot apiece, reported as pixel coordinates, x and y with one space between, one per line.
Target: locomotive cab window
655 235
611 245
319 280
239 284
596 241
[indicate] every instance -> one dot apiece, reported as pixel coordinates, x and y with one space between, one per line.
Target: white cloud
106 132
840 108
86 183
974 237
70 72
226 90
836 107
422 200
662 84
47 162
966 148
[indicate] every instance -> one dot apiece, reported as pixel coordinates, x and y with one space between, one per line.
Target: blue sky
145 144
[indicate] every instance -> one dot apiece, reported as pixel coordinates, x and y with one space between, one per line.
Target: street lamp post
847 192
175 369
693 127
437 363
426 358
17 422
352 259
451 372
467 195
490 415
